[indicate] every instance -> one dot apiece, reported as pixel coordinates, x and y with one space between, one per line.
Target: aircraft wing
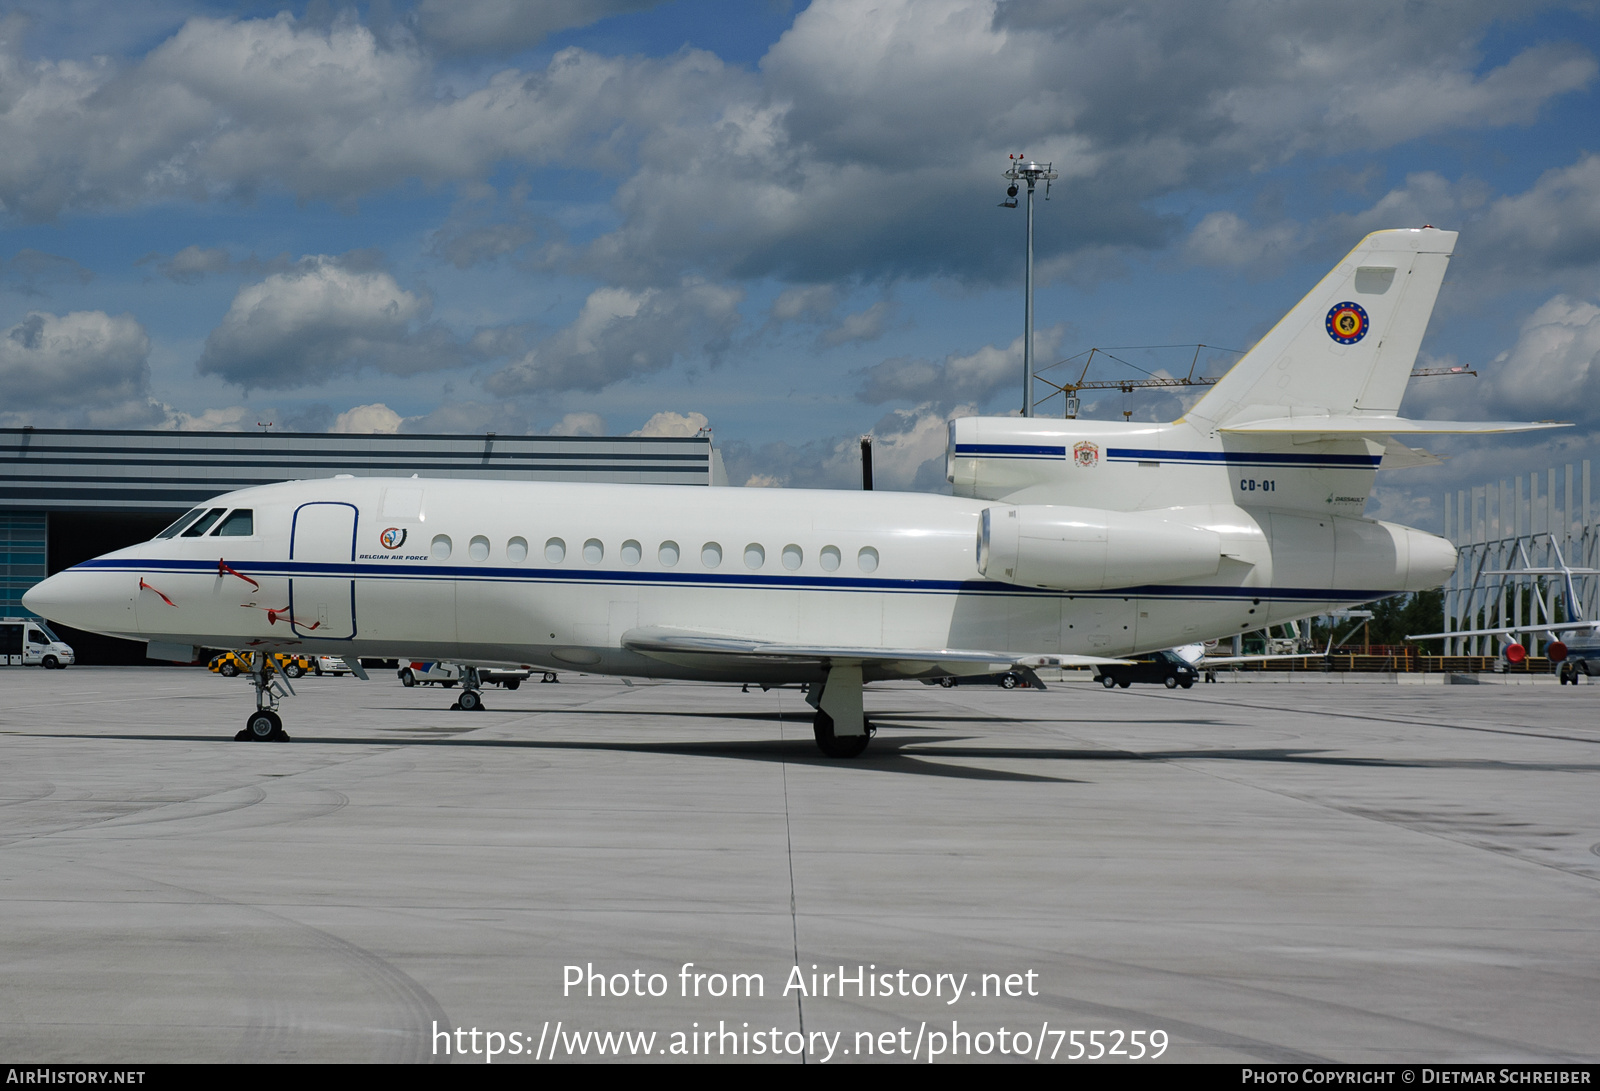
690 648
1512 630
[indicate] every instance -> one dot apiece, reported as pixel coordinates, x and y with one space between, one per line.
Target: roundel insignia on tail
1347 323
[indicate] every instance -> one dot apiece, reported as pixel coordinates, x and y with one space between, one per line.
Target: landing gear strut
264 724
471 699
840 726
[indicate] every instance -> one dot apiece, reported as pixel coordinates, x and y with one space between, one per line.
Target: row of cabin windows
667 553
240 523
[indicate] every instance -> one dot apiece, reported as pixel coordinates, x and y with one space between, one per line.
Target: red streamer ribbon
146 587
223 569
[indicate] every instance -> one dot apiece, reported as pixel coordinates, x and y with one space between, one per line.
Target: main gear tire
838 746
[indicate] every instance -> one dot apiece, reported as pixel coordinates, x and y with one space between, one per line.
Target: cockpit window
204 523
240 523
187 518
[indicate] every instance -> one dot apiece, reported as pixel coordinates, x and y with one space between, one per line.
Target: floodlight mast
1030 173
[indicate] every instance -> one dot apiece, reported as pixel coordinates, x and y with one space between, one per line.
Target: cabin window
441 547
593 551
517 550
711 554
478 548
203 524
240 523
867 559
183 521
754 556
668 554
793 556
631 552
555 551
829 558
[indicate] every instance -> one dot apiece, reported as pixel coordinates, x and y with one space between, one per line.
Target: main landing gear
840 725
471 699
264 724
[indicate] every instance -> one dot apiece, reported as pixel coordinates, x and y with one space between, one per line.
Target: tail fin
1349 345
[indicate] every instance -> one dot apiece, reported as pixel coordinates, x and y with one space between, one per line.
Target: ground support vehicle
232 664
1168 668
28 642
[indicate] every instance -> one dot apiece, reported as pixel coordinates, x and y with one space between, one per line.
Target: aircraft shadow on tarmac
899 753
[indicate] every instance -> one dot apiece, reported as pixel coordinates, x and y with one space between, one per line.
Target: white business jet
1081 540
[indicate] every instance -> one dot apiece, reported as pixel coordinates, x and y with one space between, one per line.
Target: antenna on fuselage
1029 173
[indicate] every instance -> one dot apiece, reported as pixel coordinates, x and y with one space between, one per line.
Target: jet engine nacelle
1091 549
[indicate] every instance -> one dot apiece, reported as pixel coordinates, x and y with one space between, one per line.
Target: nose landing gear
264 724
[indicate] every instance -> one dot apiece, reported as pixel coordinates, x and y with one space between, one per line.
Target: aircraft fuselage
555 575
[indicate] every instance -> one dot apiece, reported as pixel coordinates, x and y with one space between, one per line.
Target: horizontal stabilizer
1352 425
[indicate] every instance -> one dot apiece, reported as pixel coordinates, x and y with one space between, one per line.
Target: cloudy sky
608 216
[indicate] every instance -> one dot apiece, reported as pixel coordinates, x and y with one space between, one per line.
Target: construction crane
1128 386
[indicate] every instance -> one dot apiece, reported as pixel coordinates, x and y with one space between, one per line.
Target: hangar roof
60 469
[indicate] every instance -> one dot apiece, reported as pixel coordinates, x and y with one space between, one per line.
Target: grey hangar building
67 495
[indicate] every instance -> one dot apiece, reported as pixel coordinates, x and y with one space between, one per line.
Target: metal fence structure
1514 525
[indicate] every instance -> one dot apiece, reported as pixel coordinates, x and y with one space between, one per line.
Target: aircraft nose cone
96 602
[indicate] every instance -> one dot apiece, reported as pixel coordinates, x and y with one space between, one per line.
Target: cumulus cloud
78 361
866 144
668 423
367 419
231 107
191 263
621 333
907 454
1553 370
300 327
233 418
815 302
872 144
1554 225
1224 239
581 423
1541 235
466 418
498 27
30 271
862 326
972 378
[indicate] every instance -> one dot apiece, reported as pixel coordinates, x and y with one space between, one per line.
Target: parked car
1168 668
28 642
1582 661
229 664
331 664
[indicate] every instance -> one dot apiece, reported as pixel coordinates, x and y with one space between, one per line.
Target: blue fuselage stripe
1193 458
491 574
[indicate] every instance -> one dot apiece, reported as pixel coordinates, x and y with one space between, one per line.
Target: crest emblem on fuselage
393 538
1086 454
1347 323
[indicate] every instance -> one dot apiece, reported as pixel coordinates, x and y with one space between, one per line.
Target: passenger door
322 591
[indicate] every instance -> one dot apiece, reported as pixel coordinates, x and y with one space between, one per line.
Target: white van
28 642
